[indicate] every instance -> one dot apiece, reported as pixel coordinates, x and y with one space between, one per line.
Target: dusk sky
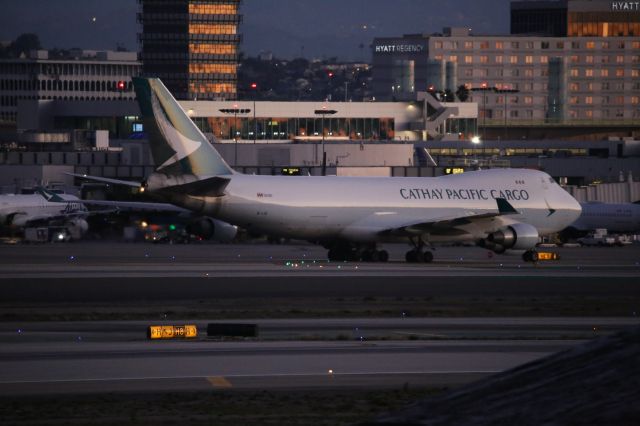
325 28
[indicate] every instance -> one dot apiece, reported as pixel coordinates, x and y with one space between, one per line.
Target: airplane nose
573 206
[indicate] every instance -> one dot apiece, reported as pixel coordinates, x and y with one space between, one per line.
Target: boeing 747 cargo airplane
501 210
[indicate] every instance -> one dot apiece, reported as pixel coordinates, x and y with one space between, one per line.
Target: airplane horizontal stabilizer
208 187
106 180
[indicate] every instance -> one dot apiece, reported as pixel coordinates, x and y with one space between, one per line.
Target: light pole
324 111
484 87
254 87
505 92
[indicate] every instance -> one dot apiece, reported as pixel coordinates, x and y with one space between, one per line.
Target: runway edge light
165 332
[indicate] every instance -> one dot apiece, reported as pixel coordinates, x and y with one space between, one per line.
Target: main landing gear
418 254
530 256
345 252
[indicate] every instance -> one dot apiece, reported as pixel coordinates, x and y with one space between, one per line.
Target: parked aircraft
500 209
615 218
44 208
204 227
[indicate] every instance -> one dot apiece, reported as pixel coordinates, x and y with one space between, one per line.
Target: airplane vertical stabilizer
177 145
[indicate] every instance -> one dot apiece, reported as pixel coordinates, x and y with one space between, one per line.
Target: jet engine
77 228
519 236
212 229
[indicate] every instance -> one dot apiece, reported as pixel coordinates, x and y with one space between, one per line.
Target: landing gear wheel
530 256
417 256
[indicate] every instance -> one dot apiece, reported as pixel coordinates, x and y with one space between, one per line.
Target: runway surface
102 356
86 367
156 272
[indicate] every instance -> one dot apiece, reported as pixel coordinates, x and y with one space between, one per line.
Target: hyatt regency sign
398 48
625 6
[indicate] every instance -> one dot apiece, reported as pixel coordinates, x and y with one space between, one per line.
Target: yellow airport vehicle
166 332
547 255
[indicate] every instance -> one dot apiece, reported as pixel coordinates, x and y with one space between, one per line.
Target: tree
24 44
448 96
462 93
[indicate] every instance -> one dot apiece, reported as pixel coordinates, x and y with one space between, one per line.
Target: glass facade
604 24
192 45
297 128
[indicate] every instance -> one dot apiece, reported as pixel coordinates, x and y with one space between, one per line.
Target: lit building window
213 9
212 68
513 59
212 49
468 59
604 73
528 59
226 29
620 72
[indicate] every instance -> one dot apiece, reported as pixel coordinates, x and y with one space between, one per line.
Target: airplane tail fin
50 196
177 145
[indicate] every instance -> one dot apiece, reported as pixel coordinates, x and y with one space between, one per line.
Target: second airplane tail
177 145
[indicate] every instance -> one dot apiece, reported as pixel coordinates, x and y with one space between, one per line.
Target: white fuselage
613 217
362 209
17 210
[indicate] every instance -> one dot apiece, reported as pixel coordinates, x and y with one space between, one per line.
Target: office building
192 45
78 75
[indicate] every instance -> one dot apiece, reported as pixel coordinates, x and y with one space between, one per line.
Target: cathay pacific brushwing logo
182 145
49 196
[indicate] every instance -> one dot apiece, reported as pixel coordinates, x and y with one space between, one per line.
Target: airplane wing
136 205
448 223
106 180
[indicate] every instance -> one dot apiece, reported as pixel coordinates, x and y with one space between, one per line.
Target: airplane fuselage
613 217
358 209
17 210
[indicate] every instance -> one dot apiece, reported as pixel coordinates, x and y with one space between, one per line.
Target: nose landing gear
530 256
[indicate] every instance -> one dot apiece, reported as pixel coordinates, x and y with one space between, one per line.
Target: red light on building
120 85
254 85
330 74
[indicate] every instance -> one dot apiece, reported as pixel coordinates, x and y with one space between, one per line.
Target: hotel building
591 77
